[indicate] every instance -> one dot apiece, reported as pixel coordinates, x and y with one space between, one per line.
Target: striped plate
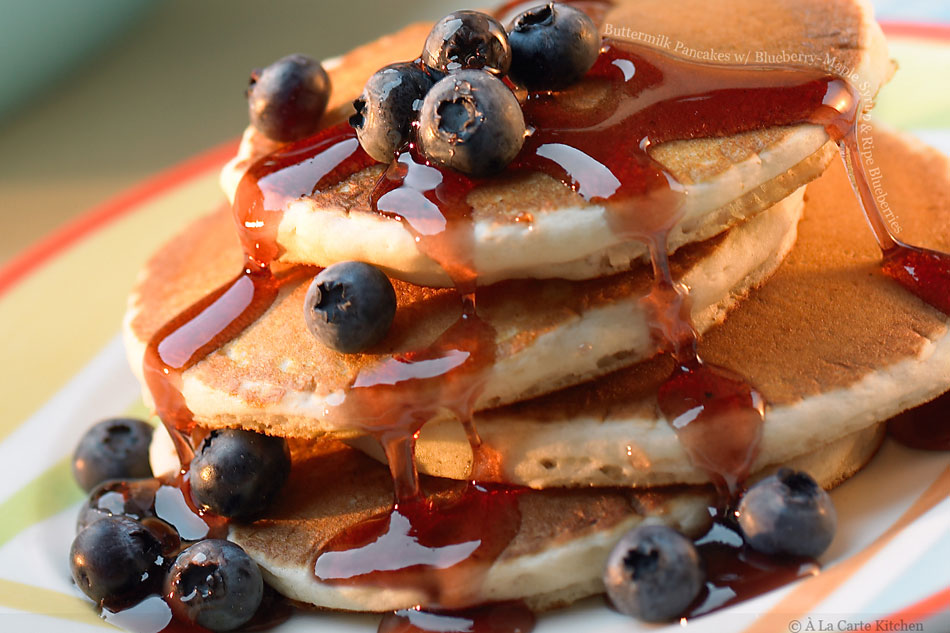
61 303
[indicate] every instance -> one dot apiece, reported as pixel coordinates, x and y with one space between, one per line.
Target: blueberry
133 499
552 46
787 513
470 121
116 448
350 306
286 100
467 39
387 107
116 562
214 584
237 473
653 573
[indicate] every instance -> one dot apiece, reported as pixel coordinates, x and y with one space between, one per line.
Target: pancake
832 344
529 225
556 557
276 378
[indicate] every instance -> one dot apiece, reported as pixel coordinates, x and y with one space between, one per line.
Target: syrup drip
735 572
431 203
293 171
718 418
441 548
507 617
926 427
716 414
441 545
290 172
408 390
198 331
393 400
924 272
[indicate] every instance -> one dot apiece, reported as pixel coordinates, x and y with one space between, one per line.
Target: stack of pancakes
785 286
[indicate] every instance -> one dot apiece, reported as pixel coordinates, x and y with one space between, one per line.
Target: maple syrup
601 151
441 545
393 400
431 203
735 572
924 272
162 504
201 329
926 427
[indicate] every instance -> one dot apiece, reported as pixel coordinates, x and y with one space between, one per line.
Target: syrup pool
735 572
508 617
440 545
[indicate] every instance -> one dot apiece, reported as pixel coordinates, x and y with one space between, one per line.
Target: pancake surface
529 225
832 344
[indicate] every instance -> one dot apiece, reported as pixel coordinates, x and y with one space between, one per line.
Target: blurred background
96 95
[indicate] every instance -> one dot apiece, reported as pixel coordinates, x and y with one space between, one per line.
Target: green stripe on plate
49 494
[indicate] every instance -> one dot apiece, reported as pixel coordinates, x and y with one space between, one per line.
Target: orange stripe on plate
803 598
918 612
41 252
917 29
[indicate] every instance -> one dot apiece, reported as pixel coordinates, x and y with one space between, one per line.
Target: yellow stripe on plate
15 595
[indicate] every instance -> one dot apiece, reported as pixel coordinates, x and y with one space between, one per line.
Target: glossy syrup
163 505
735 572
924 272
440 545
198 331
597 144
213 321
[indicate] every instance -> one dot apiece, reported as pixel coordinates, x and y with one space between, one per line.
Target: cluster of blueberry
128 547
655 573
454 99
